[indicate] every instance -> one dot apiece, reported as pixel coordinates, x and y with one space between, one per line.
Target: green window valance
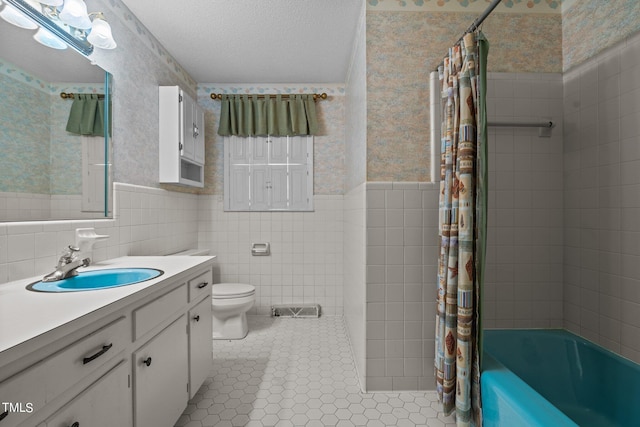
247 115
86 116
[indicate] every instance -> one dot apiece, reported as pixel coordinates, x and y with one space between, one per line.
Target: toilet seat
232 290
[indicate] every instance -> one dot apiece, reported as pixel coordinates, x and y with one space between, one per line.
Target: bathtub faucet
68 263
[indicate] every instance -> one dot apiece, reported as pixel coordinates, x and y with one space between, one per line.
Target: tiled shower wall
602 199
401 223
523 281
305 265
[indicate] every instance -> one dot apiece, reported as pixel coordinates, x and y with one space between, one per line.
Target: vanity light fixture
13 16
62 22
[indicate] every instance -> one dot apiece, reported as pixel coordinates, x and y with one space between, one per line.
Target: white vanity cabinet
134 362
181 138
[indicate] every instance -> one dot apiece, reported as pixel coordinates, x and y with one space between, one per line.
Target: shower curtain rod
476 23
548 124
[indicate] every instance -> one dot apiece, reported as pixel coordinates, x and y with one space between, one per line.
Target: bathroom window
267 173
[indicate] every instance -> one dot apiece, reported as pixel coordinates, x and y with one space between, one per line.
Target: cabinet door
259 187
200 344
161 377
238 150
278 149
299 188
239 187
198 136
106 403
188 124
278 187
259 150
298 150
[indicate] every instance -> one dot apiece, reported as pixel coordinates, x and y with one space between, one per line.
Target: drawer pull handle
196 318
202 285
86 360
4 415
147 361
76 424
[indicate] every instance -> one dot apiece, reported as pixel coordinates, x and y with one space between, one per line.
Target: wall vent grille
310 310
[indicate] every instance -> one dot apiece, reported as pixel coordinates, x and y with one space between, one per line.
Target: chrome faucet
68 263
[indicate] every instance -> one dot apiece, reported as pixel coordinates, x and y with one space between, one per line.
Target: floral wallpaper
139 65
589 27
521 6
404 47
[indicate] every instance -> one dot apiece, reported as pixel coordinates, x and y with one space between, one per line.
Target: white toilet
229 305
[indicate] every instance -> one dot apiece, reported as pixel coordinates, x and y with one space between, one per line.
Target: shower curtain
462 229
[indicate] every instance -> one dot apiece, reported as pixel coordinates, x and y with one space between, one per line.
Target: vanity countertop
25 314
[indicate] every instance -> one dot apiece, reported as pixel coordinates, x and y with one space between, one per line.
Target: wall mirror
47 173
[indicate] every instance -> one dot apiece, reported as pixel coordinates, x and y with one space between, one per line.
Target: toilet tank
192 252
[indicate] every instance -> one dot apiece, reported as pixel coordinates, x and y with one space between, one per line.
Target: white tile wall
602 199
355 259
306 261
402 219
148 221
523 281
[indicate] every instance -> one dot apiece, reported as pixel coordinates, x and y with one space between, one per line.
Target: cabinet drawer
105 403
24 392
70 365
150 315
42 382
200 285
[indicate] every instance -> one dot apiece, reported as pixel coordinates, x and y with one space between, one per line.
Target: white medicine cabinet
181 138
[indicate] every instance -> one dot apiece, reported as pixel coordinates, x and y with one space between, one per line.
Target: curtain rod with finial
65 95
316 96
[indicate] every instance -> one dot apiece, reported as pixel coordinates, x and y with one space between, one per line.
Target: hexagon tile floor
298 372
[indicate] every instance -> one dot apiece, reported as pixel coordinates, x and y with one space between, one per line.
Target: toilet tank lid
230 289
191 252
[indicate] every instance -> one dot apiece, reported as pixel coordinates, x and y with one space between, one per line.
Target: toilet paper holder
260 249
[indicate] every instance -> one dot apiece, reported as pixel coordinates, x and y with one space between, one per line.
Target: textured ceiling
255 41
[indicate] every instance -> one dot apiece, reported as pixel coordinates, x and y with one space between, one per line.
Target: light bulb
100 35
74 13
47 38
